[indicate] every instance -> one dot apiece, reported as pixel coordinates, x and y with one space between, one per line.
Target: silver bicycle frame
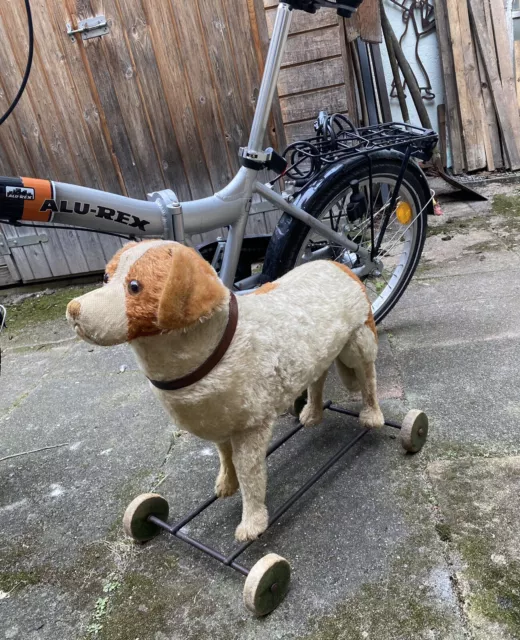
163 217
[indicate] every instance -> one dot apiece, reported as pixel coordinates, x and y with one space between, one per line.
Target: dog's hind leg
227 481
359 355
249 449
312 412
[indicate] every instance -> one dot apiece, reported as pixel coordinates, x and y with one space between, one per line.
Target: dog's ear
192 290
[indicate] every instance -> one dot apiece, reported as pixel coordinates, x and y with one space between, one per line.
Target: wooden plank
451 98
365 23
299 130
509 122
307 105
468 84
41 98
18 255
224 75
302 21
311 76
31 138
139 43
441 118
313 45
349 74
126 83
517 66
175 82
60 84
104 90
492 132
89 110
502 41
6 278
203 96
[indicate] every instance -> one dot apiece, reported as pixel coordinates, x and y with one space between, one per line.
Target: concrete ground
386 547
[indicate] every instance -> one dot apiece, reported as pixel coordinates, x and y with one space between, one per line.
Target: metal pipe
197 544
270 77
310 221
354 414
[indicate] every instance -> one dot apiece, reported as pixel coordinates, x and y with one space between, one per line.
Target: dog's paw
311 415
250 529
371 418
225 485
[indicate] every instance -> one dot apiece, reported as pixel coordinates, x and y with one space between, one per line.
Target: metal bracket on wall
89 28
6 244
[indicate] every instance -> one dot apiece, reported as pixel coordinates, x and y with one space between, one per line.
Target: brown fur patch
192 290
265 288
370 322
73 309
151 270
111 267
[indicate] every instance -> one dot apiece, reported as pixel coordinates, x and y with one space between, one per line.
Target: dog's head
149 288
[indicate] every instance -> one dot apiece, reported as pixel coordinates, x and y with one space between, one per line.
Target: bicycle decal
24 199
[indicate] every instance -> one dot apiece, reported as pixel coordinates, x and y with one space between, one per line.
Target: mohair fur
286 339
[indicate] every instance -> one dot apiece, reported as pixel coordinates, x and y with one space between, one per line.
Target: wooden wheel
414 431
135 520
267 584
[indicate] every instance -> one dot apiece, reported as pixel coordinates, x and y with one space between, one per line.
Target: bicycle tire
290 234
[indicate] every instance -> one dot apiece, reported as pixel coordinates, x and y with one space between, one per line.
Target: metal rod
354 414
395 194
197 544
298 494
310 221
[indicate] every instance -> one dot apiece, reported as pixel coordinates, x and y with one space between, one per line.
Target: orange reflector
403 213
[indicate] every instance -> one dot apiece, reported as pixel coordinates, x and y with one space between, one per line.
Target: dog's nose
73 309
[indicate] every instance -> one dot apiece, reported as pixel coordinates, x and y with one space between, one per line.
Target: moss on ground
14 580
44 308
395 607
507 205
495 587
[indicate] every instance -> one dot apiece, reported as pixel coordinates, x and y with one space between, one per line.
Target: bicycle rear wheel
401 243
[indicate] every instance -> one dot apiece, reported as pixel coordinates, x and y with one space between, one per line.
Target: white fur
285 342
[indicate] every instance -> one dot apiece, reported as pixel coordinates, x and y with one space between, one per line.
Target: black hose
27 67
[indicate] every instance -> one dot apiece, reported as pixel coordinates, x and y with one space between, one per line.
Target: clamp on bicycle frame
257 160
171 212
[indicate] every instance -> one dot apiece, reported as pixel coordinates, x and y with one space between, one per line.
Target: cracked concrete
385 547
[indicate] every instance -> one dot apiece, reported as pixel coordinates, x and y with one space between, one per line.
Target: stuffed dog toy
225 367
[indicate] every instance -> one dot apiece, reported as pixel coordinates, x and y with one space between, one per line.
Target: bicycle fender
305 201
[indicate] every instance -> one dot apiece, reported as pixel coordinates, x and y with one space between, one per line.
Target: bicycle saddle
345 8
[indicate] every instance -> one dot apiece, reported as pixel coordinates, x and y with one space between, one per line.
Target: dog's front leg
249 449
227 481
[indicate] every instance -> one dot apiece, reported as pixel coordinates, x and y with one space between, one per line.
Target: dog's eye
106 278
134 286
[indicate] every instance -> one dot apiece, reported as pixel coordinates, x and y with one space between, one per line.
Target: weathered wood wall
318 67
164 100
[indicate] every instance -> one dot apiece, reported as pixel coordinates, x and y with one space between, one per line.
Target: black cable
27 67
67 228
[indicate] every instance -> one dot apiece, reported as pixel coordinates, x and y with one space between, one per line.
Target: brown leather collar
209 364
